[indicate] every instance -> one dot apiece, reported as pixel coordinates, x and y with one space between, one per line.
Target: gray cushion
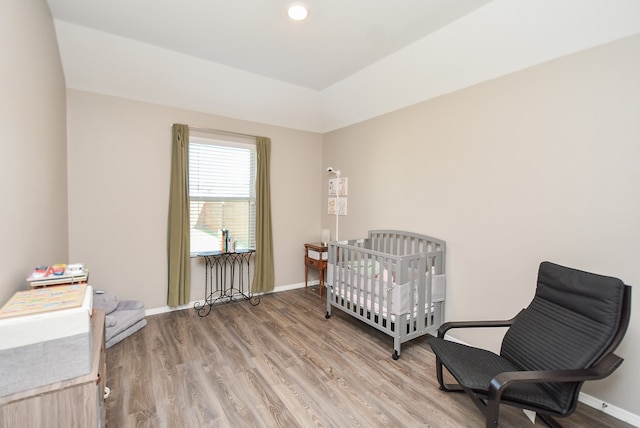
474 368
123 320
569 325
126 333
105 300
124 317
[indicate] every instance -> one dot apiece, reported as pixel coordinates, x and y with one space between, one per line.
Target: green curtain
263 276
178 233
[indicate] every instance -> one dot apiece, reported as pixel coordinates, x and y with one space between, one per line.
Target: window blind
222 194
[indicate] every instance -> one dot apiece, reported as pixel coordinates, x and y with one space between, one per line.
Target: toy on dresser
58 274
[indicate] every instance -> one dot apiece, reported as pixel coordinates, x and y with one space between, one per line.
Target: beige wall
119 165
543 164
33 210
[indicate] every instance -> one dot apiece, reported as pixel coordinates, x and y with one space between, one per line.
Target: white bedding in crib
366 292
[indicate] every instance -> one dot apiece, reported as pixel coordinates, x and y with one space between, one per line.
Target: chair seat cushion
474 368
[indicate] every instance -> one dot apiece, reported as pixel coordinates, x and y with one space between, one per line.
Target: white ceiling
338 38
349 61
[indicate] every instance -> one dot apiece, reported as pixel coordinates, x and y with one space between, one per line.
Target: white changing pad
46 347
29 329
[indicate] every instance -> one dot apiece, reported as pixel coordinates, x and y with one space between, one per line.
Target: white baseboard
295 286
165 309
610 409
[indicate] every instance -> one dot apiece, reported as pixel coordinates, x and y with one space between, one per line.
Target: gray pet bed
123 317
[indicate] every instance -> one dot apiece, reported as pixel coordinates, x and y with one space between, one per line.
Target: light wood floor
282 364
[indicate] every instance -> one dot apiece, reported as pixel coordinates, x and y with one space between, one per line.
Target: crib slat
387 281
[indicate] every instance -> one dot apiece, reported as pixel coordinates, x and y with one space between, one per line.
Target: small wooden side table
315 255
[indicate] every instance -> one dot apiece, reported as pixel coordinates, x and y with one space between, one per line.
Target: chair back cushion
570 323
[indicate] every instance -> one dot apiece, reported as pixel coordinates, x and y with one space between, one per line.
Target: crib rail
400 243
387 281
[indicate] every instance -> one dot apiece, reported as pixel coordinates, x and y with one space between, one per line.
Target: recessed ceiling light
298 12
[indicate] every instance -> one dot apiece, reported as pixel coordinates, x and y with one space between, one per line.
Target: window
222 175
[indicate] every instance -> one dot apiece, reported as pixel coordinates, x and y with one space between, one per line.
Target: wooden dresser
72 403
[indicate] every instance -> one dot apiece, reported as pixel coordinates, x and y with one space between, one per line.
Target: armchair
566 336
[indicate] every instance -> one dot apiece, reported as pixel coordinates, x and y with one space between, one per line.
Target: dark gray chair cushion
474 368
570 323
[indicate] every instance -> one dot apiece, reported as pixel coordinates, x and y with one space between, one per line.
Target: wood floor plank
283 364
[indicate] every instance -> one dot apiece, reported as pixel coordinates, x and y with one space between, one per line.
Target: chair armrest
473 324
607 365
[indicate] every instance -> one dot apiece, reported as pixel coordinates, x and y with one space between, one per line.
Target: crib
393 281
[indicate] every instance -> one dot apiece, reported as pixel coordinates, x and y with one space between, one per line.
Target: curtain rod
221 131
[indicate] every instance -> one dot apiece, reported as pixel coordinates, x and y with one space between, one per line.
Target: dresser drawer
318 264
